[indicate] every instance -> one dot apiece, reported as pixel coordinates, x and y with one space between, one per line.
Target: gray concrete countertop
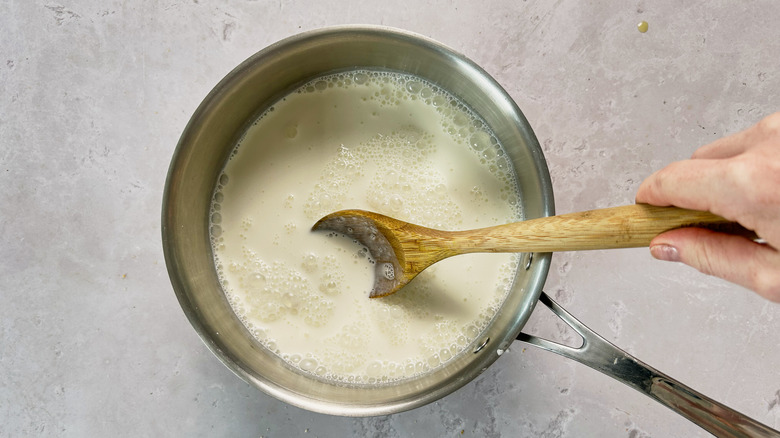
96 93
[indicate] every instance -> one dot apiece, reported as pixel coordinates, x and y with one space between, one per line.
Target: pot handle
599 354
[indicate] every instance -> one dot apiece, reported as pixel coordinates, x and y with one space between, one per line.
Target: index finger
700 184
738 143
726 147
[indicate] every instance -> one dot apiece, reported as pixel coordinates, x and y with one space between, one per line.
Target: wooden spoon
402 250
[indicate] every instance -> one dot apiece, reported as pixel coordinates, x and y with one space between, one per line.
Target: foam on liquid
380 141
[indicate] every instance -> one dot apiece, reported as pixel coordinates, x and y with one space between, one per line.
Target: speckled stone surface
94 97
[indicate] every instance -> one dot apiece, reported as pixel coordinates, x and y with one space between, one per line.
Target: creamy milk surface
379 141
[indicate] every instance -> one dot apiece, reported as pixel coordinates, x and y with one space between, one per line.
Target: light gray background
93 98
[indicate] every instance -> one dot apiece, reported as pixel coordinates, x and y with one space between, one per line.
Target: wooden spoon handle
628 226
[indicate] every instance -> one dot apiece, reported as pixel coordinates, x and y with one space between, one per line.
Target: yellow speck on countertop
642 26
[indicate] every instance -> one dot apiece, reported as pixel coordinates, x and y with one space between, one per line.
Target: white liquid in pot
377 141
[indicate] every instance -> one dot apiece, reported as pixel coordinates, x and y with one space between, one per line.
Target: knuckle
770 125
757 179
742 172
665 177
766 282
657 183
653 189
704 263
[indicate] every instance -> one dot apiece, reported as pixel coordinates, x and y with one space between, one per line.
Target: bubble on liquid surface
480 141
308 364
310 262
413 86
374 369
388 271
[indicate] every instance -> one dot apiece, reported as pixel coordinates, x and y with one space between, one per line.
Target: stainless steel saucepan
277 70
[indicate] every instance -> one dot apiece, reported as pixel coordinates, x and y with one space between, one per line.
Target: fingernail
665 252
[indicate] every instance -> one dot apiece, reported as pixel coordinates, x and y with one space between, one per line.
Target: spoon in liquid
402 250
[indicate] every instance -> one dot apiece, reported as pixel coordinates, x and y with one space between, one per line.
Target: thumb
733 258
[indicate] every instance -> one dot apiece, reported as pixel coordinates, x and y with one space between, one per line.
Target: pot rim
171 228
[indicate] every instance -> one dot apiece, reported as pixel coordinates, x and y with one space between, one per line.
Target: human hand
737 177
